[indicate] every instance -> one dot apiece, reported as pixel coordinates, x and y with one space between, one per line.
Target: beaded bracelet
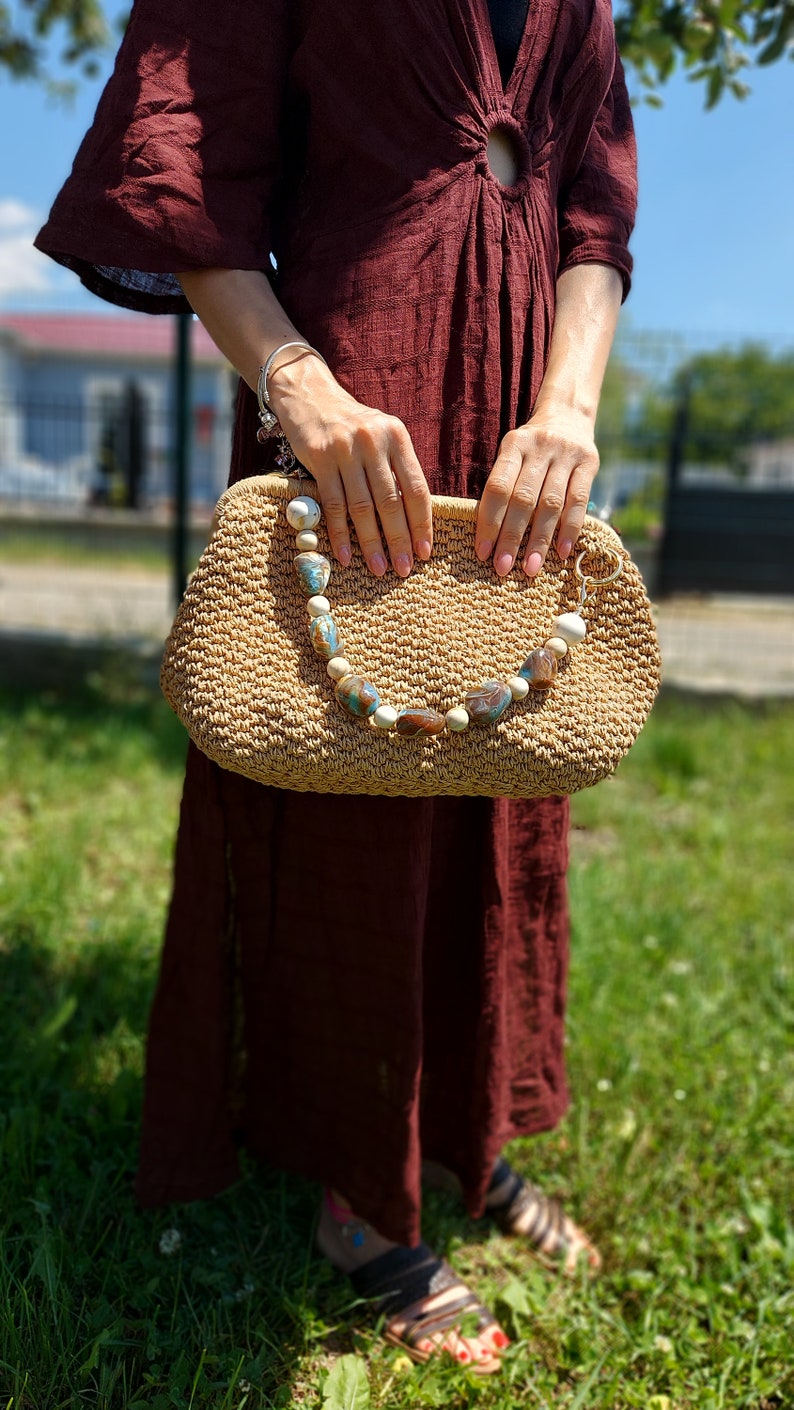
482 705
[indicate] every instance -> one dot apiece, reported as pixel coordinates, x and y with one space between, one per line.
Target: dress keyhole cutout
502 156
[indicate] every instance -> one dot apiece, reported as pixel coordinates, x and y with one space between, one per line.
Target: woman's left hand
543 475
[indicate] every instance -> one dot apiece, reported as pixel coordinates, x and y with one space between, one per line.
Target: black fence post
665 576
181 453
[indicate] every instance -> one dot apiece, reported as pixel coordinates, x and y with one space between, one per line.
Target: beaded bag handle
484 704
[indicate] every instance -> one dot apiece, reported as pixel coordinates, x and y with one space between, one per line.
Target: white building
71 383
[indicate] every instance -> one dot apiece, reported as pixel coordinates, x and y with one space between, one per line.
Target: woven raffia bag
240 671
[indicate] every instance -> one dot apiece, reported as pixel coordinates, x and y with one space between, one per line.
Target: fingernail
483 550
402 565
503 564
344 555
564 548
423 549
378 564
533 564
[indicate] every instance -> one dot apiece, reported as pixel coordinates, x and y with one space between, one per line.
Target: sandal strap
420 1322
401 1277
402 1280
546 1229
512 1185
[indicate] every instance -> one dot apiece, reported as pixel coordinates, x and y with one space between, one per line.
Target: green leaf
773 50
92 1360
346 1386
714 87
514 1296
45 1267
59 1019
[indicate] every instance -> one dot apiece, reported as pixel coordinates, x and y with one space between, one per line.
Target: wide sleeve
598 207
179 168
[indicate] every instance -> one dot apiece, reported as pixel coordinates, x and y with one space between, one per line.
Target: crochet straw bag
241 672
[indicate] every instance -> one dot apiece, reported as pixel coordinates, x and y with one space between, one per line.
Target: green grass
90 547
677 1153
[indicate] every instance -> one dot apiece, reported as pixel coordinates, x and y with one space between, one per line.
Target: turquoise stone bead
357 696
540 668
487 702
314 570
410 723
324 635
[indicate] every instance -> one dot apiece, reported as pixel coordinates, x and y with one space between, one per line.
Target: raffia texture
240 672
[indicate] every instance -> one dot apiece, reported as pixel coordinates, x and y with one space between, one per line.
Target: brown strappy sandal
523 1211
401 1282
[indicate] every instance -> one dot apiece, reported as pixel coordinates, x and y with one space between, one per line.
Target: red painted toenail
500 1340
463 1355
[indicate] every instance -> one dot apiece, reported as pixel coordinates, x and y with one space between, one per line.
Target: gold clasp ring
599 582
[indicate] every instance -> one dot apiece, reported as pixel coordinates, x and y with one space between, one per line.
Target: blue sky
714 243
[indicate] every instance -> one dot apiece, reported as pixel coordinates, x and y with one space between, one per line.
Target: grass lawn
87 545
677 1153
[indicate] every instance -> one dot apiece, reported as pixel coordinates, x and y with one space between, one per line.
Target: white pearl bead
517 686
338 668
318 605
571 627
385 717
303 513
306 541
557 645
457 719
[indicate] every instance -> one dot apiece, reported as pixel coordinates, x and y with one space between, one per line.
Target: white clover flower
170 1241
680 967
679 1094
628 1126
604 1085
244 1386
663 1344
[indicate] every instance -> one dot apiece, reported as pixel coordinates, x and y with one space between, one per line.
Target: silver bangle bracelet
269 425
262 395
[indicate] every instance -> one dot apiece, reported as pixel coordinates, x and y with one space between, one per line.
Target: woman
448 205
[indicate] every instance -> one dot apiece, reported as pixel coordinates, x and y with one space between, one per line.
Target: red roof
125 335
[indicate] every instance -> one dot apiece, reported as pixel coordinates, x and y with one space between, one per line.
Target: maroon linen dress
349 984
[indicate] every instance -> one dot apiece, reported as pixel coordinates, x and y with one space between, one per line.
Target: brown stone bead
487 702
410 723
357 696
539 669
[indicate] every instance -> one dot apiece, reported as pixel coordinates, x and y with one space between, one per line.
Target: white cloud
23 270
15 215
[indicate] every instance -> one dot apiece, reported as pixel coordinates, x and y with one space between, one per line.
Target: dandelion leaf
346 1386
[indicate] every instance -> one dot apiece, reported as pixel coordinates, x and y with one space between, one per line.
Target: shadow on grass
89 1303
92 1306
107 697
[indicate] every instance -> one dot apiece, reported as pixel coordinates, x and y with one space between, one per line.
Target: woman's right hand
363 461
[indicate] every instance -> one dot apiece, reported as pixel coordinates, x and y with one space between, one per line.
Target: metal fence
686 470
117 452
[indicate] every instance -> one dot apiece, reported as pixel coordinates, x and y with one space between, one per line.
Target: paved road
744 646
